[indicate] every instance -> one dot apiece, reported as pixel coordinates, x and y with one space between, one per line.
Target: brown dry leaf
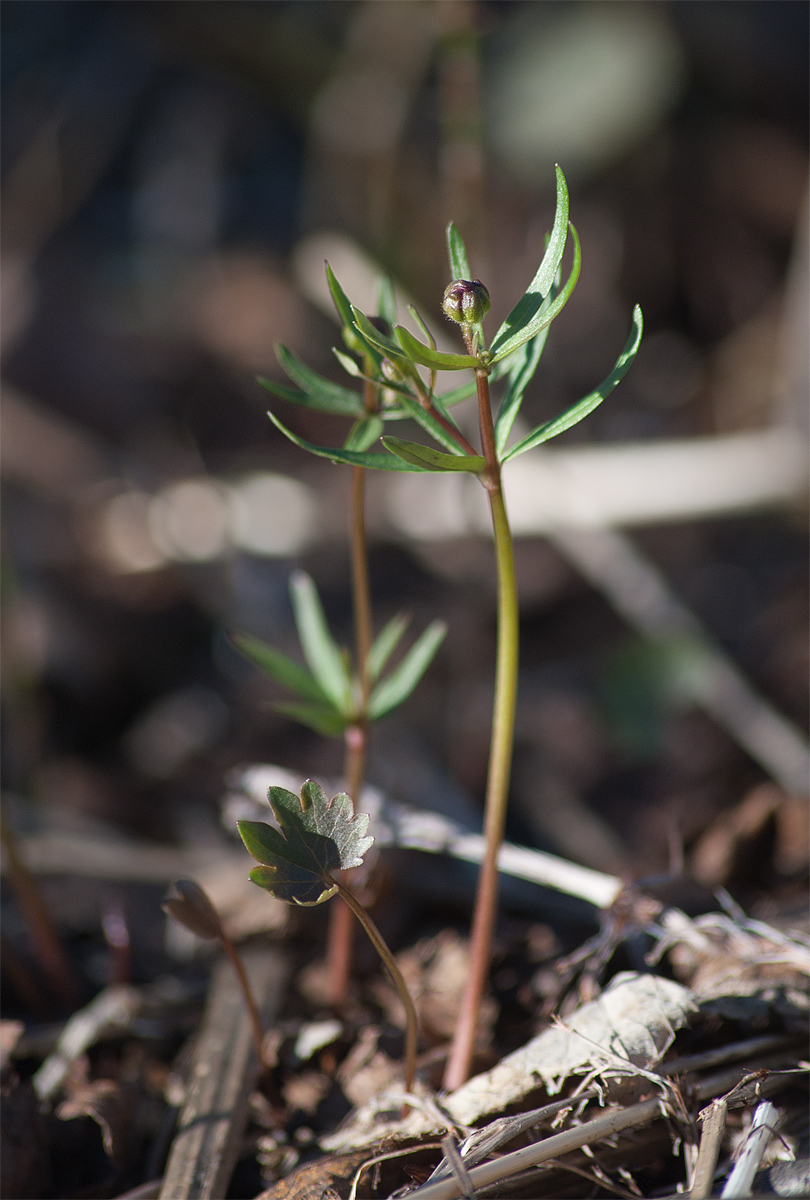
366 1070
734 846
306 1090
630 1025
10 1034
314 1180
109 1104
436 971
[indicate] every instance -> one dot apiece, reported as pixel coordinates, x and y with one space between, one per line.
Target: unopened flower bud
192 908
391 371
466 301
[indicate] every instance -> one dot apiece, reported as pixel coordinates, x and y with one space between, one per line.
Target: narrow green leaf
324 720
429 423
462 392
544 314
364 433
457 254
397 686
375 462
433 460
348 363
321 651
323 394
350 405
278 666
524 364
385 644
417 316
339 298
581 409
420 353
386 300
543 281
380 341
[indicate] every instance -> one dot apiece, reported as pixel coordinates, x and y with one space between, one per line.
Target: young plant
392 360
319 837
192 909
346 706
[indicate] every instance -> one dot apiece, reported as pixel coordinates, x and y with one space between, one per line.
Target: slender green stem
500 757
390 962
361 590
247 992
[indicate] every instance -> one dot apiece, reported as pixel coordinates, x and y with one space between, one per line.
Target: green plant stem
500 757
390 962
247 992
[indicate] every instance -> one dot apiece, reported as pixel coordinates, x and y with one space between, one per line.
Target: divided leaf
318 836
577 411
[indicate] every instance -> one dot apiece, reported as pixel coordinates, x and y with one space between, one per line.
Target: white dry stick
711 1139
763 1127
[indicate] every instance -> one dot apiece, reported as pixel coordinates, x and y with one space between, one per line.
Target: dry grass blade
459 1170
763 1127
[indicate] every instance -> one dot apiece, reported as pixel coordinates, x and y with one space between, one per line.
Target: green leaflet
386 300
385 643
375 462
364 433
397 686
419 353
321 393
428 459
320 717
430 424
537 313
339 298
349 406
279 667
457 254
523 366
546 273
322 653
581 409
318 836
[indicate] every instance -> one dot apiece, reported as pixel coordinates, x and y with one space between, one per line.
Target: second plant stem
500 757
341 925
387 957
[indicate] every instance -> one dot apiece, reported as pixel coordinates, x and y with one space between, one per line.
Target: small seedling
192 909
318 837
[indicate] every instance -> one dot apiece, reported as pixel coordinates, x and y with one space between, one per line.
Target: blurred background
174 176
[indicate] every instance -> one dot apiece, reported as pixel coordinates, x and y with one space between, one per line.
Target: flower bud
466 301
192 908
391 371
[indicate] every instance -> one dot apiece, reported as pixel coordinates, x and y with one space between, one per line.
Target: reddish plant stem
50 951
341 922
247 992
503 723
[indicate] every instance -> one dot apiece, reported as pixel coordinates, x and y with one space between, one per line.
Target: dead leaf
109 1104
